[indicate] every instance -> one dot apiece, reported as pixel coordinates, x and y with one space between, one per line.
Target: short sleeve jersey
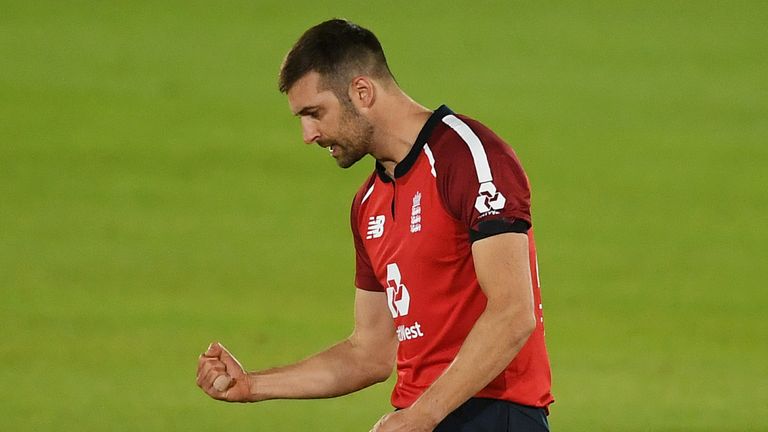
413 235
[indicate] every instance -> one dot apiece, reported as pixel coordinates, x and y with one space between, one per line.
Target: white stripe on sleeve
367 194
431 158
482 168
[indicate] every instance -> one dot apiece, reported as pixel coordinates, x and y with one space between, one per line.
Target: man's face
328 122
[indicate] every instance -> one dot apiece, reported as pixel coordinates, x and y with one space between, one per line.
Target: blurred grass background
155 196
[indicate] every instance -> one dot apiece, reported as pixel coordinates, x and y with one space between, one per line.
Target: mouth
332 149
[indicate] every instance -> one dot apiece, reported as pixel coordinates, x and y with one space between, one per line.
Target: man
446 275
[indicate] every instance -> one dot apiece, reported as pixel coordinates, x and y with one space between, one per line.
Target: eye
314 113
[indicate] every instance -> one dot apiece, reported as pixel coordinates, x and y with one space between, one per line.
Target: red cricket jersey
459 183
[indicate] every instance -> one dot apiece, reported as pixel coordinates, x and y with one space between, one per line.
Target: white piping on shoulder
367 194
479 157
431 158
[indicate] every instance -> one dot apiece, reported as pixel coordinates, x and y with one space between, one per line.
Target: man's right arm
363 359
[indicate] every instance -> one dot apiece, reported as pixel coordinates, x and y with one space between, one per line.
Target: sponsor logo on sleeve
489 201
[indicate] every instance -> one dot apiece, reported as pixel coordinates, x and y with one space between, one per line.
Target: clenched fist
221 376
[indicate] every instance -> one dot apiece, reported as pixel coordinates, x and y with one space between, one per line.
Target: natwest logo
398 297
405 333
399 302
489 200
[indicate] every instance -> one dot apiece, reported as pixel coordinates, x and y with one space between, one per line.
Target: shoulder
462 142
479 177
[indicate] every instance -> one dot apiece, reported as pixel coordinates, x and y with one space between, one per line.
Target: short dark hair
338 50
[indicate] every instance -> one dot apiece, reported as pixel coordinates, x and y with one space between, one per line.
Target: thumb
233 367
214 350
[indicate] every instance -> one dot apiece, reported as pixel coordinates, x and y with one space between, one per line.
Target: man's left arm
503 271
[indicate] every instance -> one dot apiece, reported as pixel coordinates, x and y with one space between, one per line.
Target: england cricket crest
416 213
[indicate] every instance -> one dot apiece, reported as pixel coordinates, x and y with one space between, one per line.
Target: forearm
342 369
493 342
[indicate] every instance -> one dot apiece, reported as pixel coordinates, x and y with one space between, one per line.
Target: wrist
254 387
429 413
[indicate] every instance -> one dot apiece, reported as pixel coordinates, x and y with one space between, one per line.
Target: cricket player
446 275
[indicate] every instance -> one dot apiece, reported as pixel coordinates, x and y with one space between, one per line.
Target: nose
309 130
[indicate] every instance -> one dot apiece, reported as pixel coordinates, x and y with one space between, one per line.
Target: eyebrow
306 110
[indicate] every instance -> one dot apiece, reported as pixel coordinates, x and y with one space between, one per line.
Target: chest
405 221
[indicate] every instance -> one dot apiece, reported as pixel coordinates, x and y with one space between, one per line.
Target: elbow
527 326
371 363
379 366
516 316
376 372
521 325
382 368
382 373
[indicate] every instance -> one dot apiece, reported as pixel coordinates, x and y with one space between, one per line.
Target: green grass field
155 195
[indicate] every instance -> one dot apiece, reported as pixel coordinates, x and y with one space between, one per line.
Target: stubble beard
358 140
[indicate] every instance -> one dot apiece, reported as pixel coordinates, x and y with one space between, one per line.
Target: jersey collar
405 165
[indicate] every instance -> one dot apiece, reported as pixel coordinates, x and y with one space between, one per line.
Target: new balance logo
375 227
489 200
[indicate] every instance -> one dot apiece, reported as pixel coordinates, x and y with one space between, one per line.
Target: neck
398 122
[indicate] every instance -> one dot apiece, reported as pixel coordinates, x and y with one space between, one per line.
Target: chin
346 162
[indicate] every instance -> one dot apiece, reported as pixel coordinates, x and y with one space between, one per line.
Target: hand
403 421
217 361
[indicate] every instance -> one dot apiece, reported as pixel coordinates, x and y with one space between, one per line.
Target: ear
362 91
